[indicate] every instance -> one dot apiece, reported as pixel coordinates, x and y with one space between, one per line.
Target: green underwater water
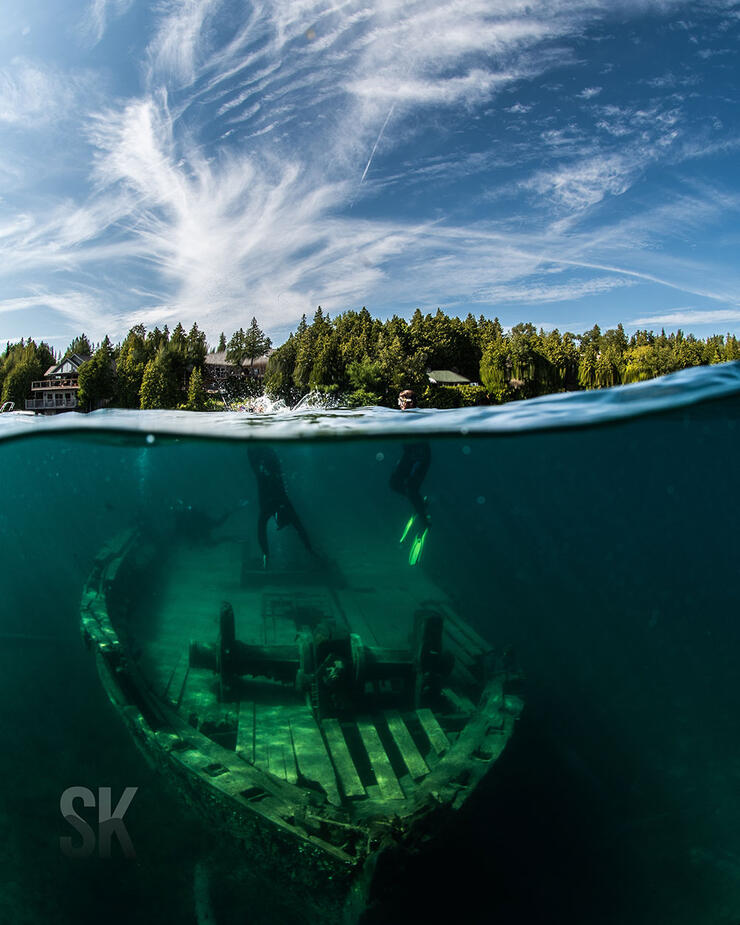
605 554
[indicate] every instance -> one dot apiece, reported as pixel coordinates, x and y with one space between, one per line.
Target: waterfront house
217 370
57 391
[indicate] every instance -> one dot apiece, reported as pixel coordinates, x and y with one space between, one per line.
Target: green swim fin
409 524
417 547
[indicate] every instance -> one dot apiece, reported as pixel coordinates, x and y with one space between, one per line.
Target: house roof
76 359
446 377
219 359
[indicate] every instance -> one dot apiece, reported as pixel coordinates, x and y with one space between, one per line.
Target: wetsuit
273 499
410 472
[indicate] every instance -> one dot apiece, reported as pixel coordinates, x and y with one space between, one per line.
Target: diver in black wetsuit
412 467
273 499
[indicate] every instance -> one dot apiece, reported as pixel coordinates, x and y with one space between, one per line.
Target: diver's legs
418 504
412 488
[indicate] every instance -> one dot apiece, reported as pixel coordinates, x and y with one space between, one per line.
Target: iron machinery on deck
324 719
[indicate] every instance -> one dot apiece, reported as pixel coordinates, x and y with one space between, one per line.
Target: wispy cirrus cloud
34 96
689 316
99 14
83 310
181 44
250 171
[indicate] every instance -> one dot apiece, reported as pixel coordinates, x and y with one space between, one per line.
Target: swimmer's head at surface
407 399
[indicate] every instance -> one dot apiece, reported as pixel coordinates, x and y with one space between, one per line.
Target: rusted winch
331 666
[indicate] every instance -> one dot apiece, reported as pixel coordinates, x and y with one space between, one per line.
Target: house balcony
54 384
52 403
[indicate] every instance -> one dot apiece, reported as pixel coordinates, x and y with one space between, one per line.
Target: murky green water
606 554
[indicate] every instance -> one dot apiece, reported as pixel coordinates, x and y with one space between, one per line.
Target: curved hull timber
315 798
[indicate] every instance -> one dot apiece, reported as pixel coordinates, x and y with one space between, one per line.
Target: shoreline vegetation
355 360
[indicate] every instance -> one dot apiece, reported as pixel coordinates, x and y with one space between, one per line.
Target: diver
407 478
273 499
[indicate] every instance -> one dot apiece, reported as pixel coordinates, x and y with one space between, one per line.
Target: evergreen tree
247 345
221 343
22 364
97 377
197 395
81 346
132 360
278 380
158 386
197 346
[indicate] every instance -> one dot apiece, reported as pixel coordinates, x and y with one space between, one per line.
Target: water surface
594 532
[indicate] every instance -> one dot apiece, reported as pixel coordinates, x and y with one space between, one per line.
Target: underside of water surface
594 534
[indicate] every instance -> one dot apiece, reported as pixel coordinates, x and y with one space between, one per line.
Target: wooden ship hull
325 721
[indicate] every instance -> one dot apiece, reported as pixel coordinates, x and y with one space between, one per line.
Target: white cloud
578 186
264 221
180 45
98 15
82 309
690 316
32 96
537 291
469 88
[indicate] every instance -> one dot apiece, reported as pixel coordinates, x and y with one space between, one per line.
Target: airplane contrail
377 142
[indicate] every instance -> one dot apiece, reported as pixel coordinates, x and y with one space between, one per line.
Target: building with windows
57 391
217 370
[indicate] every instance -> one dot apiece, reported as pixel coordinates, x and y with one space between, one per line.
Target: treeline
20 364
368 361
363 361
157 369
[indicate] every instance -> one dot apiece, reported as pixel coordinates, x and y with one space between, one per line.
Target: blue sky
566 163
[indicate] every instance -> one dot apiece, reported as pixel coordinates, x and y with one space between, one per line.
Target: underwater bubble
481 499
150 438
380 457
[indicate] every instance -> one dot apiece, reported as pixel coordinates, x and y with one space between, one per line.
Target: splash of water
263 404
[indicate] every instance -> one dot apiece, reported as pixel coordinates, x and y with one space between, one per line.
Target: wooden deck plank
310 752
459 701
390 789
273 749
197 695
407 747
435 733
245 732
178 678
345 767
277 620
